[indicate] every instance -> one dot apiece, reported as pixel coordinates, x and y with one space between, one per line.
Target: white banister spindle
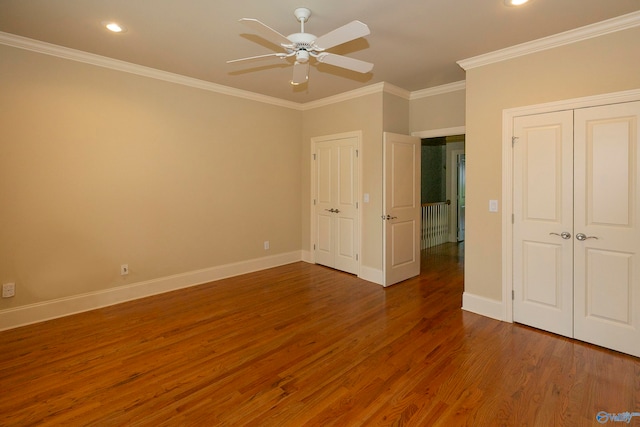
435 224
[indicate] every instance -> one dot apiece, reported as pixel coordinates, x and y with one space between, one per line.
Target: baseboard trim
40 312
483 306
307 256
372 275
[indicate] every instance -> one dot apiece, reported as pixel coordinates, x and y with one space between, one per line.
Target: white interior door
401 217
543 211
324 199
607 213
576 235
336 203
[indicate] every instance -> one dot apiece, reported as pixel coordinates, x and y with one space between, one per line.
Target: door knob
388 217
581 237
565 235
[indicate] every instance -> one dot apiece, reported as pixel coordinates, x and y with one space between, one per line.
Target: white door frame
454 221
438 133
507 174
354 134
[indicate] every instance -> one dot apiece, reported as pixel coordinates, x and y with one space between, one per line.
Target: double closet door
576 231
335 199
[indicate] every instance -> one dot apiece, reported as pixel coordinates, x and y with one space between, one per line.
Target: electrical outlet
124 269
266 245
8 290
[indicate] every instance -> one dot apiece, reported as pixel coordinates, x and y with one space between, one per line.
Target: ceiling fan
305 46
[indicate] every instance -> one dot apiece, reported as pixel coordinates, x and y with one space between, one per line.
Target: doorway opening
443 188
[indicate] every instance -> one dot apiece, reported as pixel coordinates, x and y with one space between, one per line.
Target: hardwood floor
306 345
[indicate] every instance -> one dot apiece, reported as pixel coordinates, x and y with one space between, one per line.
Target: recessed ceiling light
515 2
114 27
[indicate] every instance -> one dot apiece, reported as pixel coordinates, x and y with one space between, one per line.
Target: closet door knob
582 237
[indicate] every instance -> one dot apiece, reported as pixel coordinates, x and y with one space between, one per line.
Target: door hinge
314 246
314 156
514 139
314 202
357 153
356 257
513 220
356 205
513 295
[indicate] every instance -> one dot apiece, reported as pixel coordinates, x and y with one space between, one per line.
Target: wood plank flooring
306 345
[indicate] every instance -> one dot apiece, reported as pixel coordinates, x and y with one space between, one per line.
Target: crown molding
140 70
619 23
397 91
438 90
381 87
345 96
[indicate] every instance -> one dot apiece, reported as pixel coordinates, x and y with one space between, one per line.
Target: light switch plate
493 206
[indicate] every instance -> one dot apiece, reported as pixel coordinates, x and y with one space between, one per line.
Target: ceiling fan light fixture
512 3
302 56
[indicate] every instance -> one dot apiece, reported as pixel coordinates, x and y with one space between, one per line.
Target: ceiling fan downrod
302 14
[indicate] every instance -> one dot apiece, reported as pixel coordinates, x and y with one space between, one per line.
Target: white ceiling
414 44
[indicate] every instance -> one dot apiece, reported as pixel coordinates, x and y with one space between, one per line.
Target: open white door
401 216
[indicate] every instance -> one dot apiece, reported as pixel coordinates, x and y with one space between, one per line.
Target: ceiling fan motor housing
302 41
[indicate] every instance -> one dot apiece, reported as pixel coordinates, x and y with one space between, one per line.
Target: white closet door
607 214
324 198
543 221
346 215
336 198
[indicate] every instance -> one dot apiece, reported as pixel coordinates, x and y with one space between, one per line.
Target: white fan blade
345 62
300 73
344 34
265 31
279 55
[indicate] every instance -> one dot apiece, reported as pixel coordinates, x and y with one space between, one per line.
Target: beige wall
445 110
600 65
395 114
100 168
359 114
